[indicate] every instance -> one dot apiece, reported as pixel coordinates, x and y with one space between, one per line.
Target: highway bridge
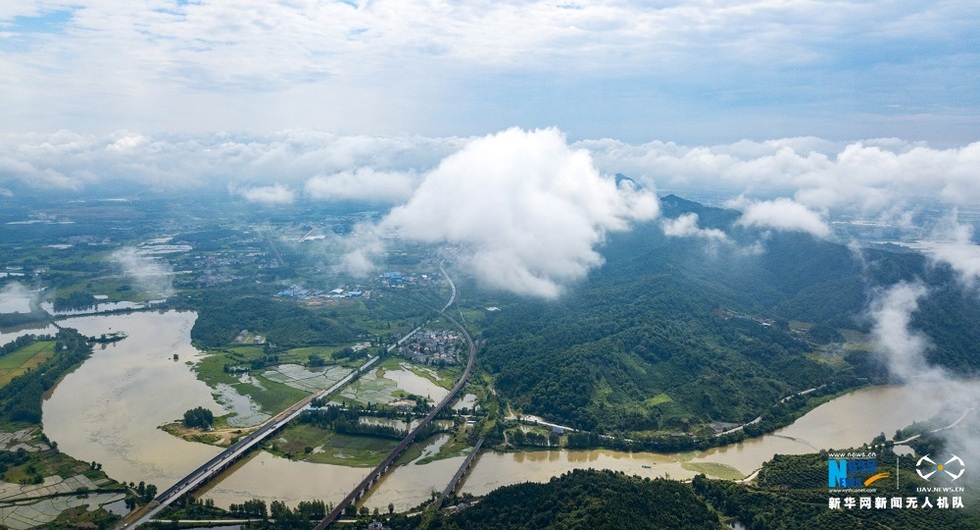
375 475
454 483
212 468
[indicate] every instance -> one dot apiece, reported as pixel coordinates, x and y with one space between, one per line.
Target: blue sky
698 72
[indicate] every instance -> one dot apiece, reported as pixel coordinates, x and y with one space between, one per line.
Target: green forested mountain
674 332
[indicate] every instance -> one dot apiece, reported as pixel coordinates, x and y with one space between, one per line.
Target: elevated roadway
375 475
212 468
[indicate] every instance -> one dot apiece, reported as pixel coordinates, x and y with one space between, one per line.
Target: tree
316 360
199 417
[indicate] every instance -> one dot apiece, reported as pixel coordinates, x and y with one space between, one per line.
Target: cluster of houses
302 293
432 347
399 280
215 269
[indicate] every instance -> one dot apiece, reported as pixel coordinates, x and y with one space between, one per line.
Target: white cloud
153 277
784 214
960 253
904 351
891 311
274 194
70 160
526 210
687 226
363 184
869 177
16 298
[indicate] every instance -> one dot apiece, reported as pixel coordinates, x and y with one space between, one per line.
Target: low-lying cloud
791 184
891 312
15 298
904 351
275 194
783 214
365 184
152 276
525 209
960 253
686 225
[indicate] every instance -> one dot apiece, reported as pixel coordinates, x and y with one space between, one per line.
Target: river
110 408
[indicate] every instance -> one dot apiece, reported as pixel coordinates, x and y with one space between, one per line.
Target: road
376 473
950 426
212 468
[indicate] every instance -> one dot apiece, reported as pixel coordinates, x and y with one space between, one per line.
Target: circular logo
927 467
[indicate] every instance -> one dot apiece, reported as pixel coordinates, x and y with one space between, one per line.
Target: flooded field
415 384
384 388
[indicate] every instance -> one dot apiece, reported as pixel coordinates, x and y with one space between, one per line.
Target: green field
658 399
271 398
328 447
371 388
24 359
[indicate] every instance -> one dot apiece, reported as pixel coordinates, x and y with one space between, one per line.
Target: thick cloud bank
526 210
501 195
362 184
883 177
266 168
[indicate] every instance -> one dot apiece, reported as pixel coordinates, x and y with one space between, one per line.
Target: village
437 348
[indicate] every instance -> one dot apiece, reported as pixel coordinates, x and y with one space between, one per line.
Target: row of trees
76 300
20 342
347 421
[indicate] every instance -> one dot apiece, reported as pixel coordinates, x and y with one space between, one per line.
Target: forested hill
791 494
675 332
588 499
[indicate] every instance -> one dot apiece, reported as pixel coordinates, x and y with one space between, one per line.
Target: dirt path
219 437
